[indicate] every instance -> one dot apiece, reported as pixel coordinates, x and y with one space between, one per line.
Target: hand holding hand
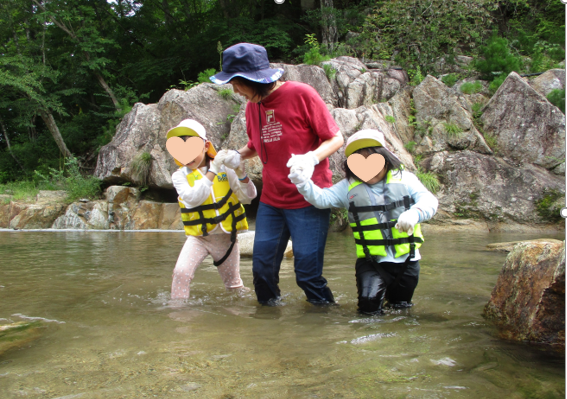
305 162
298 177
232 159
215 164
407 221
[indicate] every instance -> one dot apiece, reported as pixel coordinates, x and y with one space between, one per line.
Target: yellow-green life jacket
372 218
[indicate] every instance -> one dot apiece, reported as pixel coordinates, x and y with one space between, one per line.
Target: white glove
298 178
215 165
232 159
305 162
220 158
407 221
240 171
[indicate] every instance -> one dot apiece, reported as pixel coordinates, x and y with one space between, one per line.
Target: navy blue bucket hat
249 61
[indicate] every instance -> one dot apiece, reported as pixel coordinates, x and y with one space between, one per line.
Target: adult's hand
298 177
232 159
305 163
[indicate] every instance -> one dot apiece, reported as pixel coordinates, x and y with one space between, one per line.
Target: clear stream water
109 332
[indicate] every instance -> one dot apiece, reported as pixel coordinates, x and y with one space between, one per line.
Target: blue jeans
308 229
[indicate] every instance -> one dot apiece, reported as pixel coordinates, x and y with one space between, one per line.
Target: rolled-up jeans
308 229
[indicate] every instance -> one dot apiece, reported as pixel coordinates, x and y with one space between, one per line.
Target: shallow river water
108 332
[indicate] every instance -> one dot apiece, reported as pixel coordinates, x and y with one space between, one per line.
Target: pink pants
192 255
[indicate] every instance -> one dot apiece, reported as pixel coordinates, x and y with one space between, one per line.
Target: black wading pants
373 289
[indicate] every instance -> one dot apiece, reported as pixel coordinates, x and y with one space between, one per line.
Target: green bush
497 58
496 83
471 87
450 79
477 110
329 71
204 76
141 165
557 98
410 146
429 180
415 76
313 55
225 94
549 206
70 180
452 129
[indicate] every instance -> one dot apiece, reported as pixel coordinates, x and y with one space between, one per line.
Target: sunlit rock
84 215
528 128
246 244
528 301
312 75
554 79
17 335
33 216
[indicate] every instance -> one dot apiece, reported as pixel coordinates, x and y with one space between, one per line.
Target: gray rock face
352 120
79 215
313 76
554 79
353 85
486 187
528 301
528 128
444 120
145 127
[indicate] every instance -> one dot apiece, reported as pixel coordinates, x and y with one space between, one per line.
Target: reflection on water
108 332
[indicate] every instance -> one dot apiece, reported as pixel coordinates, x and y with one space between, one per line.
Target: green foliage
225 94
471 87
549 205
390 119
557 98
415 76
205 75
141 165
329 71
477 110
497 59
313 55
429 180
71 180
452 129
496 83
410 146
420 32
492 142
450 79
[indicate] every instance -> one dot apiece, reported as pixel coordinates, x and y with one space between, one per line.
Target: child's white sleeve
323 198
425 203
245 192
191 196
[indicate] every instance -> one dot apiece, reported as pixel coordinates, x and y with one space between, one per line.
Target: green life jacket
372 218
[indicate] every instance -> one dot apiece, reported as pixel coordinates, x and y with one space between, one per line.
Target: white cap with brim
190 127
363 139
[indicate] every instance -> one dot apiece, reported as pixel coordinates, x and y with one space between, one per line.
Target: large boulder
84 216
312 75
444 120
527 127
355 86
399 108
554 79
528 301
34 216
143 130
488 188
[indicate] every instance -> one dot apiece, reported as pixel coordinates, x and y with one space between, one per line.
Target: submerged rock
16 335
528 302
509 246
246 244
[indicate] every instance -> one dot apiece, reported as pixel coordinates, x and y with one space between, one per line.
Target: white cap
363 139
188 127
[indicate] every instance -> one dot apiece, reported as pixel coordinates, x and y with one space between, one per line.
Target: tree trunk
329 24
5 132
52 126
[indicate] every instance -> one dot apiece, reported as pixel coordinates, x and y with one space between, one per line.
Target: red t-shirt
295 120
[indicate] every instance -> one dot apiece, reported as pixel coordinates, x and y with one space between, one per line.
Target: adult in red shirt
290 129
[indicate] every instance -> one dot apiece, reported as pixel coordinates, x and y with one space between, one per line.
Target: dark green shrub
450 79
204 76
497 58
496 83
471 87
557 98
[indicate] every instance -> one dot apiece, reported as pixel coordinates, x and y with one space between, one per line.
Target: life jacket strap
216 220
214 205
379 226
406 200
235 220
391 241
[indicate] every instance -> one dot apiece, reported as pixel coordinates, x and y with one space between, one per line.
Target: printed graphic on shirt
272 130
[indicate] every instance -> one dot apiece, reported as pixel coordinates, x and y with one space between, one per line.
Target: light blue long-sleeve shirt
337 197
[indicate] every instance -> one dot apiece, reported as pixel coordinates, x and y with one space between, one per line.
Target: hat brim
181 131
268 75
359 144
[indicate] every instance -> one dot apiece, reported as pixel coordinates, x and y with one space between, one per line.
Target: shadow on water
108 329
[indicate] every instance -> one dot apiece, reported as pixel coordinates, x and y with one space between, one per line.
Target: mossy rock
17 335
